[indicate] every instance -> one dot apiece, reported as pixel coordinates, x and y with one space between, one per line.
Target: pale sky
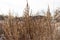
17 6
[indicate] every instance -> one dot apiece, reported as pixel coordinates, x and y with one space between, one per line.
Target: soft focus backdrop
17 6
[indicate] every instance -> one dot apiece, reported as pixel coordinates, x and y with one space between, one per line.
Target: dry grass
28 30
